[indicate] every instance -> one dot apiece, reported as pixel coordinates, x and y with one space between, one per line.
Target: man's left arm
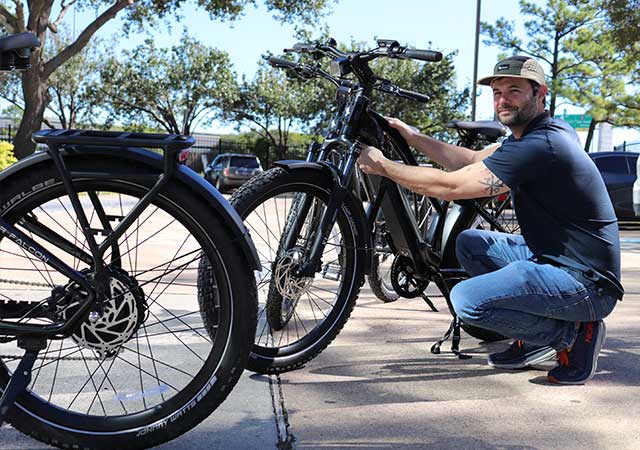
472 181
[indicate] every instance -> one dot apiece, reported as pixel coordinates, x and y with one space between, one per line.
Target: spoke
140 354
178 338
146 372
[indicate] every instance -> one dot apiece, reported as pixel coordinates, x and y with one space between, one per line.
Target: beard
519 116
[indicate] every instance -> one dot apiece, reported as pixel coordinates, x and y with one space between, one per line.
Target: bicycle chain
53 358
24 283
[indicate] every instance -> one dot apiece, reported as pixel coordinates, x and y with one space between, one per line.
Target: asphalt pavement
378 387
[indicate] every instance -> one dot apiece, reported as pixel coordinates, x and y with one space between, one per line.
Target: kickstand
455 340
428 301
22 375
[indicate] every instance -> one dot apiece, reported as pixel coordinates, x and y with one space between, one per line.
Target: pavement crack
286 439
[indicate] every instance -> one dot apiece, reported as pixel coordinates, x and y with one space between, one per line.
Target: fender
194 182
364 237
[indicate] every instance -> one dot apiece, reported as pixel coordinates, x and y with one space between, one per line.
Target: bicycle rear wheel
164 353
297 316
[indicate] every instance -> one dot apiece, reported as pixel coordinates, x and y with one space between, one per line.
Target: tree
67 86
44 16
585 67
274 102
170 88
624 21
435 79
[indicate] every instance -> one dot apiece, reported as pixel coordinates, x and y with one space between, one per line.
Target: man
550 287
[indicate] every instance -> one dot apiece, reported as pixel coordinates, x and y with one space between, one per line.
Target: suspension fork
339 192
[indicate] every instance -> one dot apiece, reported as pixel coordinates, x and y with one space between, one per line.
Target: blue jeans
514 296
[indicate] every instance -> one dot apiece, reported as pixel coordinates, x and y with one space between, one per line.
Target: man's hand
408 132
372 161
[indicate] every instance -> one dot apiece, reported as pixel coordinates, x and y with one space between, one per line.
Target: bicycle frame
56 140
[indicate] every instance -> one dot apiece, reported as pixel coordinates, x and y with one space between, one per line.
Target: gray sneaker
521 355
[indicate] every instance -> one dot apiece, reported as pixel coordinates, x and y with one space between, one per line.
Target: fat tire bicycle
127 290
314 234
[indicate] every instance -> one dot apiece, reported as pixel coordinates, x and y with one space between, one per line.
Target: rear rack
113 139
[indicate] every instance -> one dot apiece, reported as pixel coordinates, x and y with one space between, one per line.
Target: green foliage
436 80
42 17
6 154
174 89
587 66
273 103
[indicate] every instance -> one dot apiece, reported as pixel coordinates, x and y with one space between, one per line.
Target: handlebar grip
423 55
414 95
281 62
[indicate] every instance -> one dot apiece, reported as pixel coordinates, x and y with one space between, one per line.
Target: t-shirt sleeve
517 162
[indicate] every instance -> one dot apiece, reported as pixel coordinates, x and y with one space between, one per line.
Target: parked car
619 172
230 170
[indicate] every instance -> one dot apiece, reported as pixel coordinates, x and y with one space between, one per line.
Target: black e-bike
127 289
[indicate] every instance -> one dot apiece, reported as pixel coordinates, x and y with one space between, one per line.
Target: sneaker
521 355
577 366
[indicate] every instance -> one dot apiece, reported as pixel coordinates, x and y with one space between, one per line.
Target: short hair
536 88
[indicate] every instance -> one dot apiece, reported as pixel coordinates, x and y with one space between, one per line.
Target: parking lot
377 386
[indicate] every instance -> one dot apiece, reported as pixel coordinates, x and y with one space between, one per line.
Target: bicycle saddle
15 51
18 42
489 128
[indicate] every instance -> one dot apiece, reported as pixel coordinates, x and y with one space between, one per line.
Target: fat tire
271 360
62 428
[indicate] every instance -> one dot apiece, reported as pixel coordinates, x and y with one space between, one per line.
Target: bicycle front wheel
163 353
298 316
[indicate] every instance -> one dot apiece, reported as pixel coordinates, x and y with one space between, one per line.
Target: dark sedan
618 170
231 170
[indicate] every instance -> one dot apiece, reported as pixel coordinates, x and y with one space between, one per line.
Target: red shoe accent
563 358
588 332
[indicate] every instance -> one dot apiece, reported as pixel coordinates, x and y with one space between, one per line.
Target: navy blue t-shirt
558 195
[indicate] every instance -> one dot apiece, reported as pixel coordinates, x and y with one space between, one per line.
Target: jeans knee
465 303
466 242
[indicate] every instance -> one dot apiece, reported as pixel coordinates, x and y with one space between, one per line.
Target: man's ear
542 92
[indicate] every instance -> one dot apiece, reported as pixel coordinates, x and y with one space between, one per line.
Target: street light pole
475 63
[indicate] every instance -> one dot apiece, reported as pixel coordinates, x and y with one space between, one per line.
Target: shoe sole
536 358
594 366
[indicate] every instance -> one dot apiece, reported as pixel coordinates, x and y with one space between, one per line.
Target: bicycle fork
328 218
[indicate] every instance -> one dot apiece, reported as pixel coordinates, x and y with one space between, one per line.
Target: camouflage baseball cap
516 67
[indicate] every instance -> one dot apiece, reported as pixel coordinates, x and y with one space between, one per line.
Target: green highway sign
579 122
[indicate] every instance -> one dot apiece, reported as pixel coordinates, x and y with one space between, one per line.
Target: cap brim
486 81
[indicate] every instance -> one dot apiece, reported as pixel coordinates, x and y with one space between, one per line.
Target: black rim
324 299
74 384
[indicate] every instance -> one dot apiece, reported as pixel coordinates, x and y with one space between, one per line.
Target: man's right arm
450 156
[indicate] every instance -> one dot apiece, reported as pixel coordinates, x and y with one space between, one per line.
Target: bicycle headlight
339 67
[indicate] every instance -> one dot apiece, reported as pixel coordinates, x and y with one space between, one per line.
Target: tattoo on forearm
493 185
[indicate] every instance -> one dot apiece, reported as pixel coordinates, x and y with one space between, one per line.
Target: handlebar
344 63
281 63
422 55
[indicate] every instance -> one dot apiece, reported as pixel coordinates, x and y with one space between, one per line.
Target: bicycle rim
158 344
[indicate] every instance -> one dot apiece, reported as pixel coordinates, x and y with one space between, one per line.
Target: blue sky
447 25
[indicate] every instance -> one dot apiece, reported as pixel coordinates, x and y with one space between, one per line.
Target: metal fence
628 147
208 147
7 133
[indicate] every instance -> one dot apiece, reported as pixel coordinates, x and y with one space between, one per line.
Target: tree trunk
36 99
592 127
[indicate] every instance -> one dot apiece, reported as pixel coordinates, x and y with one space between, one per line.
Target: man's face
514 101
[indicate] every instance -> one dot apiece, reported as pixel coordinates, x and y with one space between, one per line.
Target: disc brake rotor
289 285
121 316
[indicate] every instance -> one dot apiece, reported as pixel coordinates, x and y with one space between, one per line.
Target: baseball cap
516 67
